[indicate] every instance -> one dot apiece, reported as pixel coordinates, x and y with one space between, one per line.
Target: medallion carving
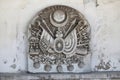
58 40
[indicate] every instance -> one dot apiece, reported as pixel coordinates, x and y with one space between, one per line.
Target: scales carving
58 37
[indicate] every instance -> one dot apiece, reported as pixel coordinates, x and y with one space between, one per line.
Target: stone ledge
62 76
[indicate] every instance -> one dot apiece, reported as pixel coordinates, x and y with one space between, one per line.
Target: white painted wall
106 41
16 14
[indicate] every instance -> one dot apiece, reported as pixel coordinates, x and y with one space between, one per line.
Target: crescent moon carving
56 24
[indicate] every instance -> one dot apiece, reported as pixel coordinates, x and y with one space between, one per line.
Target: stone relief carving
58 35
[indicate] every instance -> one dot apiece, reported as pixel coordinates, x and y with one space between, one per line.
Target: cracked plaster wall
103 16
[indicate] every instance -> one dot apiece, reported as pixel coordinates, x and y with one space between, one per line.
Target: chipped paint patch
103 65
13 66
5 62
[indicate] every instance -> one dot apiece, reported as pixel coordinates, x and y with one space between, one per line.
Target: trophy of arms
58 35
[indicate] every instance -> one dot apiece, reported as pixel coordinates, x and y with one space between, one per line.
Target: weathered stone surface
85 76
